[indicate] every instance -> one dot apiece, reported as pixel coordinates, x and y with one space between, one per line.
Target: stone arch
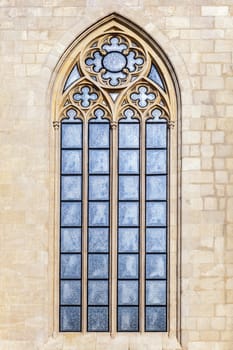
56 85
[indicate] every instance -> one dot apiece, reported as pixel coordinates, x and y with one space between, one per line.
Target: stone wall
197 37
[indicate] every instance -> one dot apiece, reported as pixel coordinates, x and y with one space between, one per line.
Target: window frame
174 181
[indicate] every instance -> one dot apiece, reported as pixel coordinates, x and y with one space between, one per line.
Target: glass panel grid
128 242
128 260
71 223
156 227
98 225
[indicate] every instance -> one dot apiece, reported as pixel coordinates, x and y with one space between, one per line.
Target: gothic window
115 111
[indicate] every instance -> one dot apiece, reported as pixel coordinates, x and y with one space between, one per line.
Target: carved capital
114 125
56 125
171 124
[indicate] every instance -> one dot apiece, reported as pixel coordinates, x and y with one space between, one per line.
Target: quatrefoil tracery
113 72
114 61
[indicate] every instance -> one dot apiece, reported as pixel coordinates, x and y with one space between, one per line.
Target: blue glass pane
128 187
155 77
98 214
156 319
97 266
70 240
73 76
155 116
97 292
71 114
70 292
128 214
70 318
128 135
99 114
127 319
156 135
129 113
99 135
143 96
132 61
155 240
95 62
71 135
85 96
98 161
114 61
71 187
156 214
128 239
156 292
70 266
98 240
156 162
71 214
97 319
128 162
155 266
128 266
98 187
156 188
71 162
128 293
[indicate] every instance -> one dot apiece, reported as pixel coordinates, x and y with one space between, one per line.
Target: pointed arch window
115 109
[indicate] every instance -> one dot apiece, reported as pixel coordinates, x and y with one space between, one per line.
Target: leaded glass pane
98 188
98 266
127 319
156 162
155 240
156 319
128 266
73 76
70 214
70 240
128 214
98 135
71 188
99 161
156 214
72 135
97 292
70 266
98 240
156 135
155 76
70 292
98 214
128 293
155 292
128 135
128 240
128 187
97 319
71 162
70 319
128 162
156 187
155 266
